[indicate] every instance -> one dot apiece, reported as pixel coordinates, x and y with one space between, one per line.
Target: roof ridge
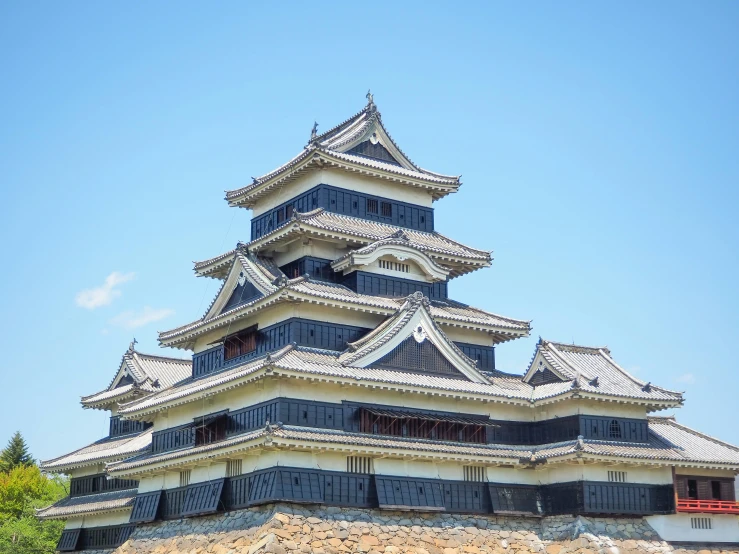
636 380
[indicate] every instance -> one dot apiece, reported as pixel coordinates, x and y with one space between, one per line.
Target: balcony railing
708 506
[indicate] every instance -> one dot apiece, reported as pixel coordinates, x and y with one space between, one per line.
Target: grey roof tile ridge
606 354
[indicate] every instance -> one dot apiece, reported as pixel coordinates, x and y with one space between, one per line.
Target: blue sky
597 142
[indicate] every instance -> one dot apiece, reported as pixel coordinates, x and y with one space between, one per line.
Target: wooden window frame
373 206
240 344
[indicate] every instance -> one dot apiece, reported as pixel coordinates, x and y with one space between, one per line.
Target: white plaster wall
87 470
345 180
676 527
151 483
99 520
279 312
599 472
589 407
202 473
309 247
471 336
497 474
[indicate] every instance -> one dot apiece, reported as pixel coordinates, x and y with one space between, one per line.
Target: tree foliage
23 489
15 454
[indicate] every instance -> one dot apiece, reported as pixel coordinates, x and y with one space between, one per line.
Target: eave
317 158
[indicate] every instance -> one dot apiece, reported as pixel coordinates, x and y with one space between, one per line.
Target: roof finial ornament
370 100
314 132
131 346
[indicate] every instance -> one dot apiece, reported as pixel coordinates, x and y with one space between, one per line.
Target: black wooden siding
346 202
375 284
203 498
93 484
242 294
94 538
423 357
110 536
483 355
120 426
514 499
544 377
146 507
408 493
318 268
315 486
182 436
375 151
614 429
69 540
303 332
605 498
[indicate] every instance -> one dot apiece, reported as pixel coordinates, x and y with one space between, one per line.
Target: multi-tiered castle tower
332 367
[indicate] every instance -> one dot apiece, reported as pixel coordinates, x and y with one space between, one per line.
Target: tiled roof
89 504
322 223
306 289
668 442
148 458
150 373
101 451
331 149
327 364
592 370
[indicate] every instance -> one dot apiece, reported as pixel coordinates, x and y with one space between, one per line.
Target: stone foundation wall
282 529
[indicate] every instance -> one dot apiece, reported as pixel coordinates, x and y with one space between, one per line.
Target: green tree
15 454
23 489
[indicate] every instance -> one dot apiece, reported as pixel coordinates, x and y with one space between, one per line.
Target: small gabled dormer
411 341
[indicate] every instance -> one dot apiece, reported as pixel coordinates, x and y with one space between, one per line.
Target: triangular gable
245 283
373 149
411 341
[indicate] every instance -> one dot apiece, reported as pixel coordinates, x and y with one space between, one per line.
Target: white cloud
131 319
687 378
104 294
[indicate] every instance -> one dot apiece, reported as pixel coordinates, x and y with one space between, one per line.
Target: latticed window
234 468
358 464
372 207
474 473
701 523
185 477
614 430
617 476
387 209
240 344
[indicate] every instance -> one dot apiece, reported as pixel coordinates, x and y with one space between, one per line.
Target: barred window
371 206
617 476
358 464
387 209
234 468
395 266
474 473
701 523
240 344
185 477
614 430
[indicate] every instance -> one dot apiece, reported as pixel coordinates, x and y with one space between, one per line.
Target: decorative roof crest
314 132
370 101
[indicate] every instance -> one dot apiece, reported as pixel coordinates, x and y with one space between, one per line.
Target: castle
332 368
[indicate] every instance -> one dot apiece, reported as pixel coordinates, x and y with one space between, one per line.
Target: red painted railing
708 506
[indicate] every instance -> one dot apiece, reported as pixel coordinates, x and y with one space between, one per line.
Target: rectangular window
280 215
395 266
701 523
359 464
474 473
233 468
617 476
692 489
210 429
371 206
716 490
289 211
185 477
387 209
240 344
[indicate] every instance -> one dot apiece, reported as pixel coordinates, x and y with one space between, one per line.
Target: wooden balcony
708 506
